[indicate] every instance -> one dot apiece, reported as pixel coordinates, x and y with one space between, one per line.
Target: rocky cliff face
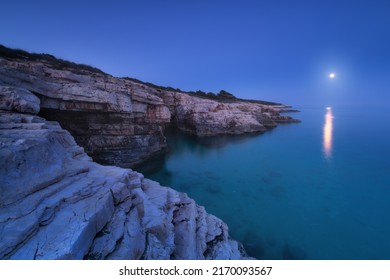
120 121
55 203
115 120
205 117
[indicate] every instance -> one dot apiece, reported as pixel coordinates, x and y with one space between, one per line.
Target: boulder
18 100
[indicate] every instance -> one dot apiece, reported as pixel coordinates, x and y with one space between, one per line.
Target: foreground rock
55 203
121 121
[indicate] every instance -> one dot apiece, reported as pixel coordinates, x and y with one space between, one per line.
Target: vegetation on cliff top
222 96
57 63
60 64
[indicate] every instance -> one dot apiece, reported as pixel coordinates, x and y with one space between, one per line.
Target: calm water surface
319 189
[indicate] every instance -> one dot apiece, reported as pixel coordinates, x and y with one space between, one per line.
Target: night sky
274 50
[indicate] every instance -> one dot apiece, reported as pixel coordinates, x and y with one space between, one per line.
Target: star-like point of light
332 75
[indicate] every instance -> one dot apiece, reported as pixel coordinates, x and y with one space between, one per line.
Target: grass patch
60 64
56 63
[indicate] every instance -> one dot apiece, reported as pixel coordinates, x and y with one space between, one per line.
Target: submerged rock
292 252
55 203
121 121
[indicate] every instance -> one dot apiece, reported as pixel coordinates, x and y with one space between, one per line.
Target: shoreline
116 122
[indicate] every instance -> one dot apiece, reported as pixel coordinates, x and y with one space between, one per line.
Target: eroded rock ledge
55 203
120 121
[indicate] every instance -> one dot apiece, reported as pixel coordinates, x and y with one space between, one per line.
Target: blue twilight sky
278 50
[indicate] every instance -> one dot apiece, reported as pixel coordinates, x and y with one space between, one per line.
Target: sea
317 190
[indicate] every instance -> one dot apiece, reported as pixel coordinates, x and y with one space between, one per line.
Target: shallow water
319 189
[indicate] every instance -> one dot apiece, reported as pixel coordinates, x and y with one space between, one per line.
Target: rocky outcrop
55 203
121 121
19 100
115 120
206 117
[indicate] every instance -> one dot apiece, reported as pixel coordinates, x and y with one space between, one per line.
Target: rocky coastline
120 121
56 203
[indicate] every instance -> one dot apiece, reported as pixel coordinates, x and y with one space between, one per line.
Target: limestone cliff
121 121
116 121
207 117
55 203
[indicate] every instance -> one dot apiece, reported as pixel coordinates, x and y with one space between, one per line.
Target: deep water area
319 189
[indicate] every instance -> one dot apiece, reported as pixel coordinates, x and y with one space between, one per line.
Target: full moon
332 75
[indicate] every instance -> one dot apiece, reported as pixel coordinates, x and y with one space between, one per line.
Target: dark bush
55 62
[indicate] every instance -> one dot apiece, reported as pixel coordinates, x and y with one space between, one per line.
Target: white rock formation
120 121
55 203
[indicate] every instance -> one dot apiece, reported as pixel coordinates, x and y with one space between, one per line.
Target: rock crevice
56 203
121 121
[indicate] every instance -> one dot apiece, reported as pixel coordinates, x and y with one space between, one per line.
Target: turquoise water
319 189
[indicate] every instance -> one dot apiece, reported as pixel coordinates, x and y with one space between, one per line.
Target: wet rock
254 243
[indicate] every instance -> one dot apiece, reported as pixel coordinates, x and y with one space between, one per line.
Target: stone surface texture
56 203
120 121
117 121
206 117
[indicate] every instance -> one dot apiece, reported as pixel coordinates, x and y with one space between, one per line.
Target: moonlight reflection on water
328 133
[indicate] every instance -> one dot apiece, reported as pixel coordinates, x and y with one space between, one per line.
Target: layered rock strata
206 117
121 121
55 203
116 121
